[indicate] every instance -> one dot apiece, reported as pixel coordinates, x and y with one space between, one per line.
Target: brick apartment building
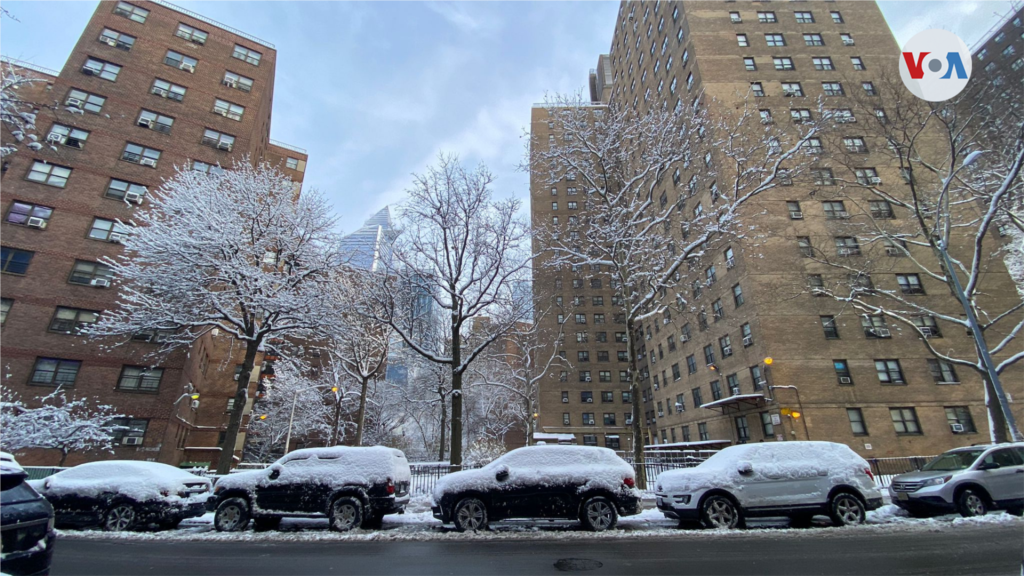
843 388
148 88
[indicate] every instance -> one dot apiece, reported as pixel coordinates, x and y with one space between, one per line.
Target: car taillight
391 486
870 475
629 482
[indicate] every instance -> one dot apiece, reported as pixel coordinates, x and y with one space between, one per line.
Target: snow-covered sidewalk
418 524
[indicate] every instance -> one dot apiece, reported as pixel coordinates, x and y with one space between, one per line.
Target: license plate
660 501
902 496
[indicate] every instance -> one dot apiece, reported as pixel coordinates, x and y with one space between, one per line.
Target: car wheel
120 517
232 515
346 514
266 523
373 521
971 503
598 514
845 509
470 514
719 512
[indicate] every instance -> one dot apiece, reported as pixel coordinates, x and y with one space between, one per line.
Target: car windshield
959 460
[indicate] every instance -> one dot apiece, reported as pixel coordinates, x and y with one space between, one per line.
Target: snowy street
645 545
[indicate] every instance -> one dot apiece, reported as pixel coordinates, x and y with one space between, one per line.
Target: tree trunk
227 451
996 418
456 435
361 418
444 423
634 387
63 458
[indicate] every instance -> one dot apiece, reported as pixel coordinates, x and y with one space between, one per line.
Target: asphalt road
974 551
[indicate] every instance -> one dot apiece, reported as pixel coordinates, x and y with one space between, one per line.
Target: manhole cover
577 564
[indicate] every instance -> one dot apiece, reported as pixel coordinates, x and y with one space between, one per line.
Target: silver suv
970 480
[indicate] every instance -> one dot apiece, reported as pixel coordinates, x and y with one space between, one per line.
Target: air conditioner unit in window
187 67
108 41
133 197
88 71
748 340
845 380
684 338
231 83
709 282
957 428
882 332
760 382
844 251
796 215
74 102
56 138
131 440
893 251
589 400
116 238
36 223
875 180
225 146
588 379
565 400
727 351
148 162
842 214
100 283
220 111
160 92
927 330
730 264
146 122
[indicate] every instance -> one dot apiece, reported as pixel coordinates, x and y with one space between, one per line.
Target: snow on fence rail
885 469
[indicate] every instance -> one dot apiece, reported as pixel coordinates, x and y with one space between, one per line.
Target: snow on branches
17 114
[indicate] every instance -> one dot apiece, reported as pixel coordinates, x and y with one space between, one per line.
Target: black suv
26 524
589 484
352 486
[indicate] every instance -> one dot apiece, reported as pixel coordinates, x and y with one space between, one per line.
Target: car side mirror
988 466
502 474
744 468
275 472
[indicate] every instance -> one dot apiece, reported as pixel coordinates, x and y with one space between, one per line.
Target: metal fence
885 469
658 461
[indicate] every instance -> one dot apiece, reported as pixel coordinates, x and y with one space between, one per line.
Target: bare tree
464 251
292 408
17 113
237 252
626 164
955 210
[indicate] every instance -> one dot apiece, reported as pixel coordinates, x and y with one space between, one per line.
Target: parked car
795 479
26 523
353 487
122 495
971 481
583 483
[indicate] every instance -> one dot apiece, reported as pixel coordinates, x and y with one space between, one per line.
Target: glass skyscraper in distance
369 247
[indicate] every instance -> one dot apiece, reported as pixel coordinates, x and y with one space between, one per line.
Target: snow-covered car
121 495
795 479
352 486
970 480
589 484
26 523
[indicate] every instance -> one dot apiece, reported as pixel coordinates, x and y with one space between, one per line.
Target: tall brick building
851 378
149 88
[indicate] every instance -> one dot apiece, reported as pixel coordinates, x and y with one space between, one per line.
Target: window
590 440
587 397
583 356
709 355
792 89
804 245
804 18
697 397
1008 51
822 63
832 88
828 324
857 425
741 39
905 420
783 63
775 40
15 261
881 210
128 428
927 326
813 40
67 136
857 62
250 56
942 372
217 140
165 89
607 396
719 310
842 371
691 364
910 283
237 81
742 430
725 343
686 433
609 418
815 283
889 372
749 64
834 210
823 177
847 246
588 419
757 89
162 335
566 419
140 155
737 295
72 320
867 176
155 121
611 441
959 419
837 17
117 39
55 371
180 61
5 307
49 174
766 17
228 110
24 214
191 34
869 88
734 17
109 230
702 431
140 378
757 377
131 12
874 327
554 205
689 81
861 282
118 189
216 170
572 205
84 101
84 272
847 39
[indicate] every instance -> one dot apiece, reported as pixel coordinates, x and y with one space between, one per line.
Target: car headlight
936 481
217 489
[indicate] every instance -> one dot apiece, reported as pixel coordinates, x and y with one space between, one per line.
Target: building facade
148 88
773 362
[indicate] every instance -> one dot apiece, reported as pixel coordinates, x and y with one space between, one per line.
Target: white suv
794 479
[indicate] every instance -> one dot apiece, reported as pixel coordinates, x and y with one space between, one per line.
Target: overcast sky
374 91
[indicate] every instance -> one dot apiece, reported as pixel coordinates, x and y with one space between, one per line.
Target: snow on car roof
133 478
334 466
342 451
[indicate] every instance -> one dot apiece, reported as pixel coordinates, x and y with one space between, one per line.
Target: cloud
457 15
